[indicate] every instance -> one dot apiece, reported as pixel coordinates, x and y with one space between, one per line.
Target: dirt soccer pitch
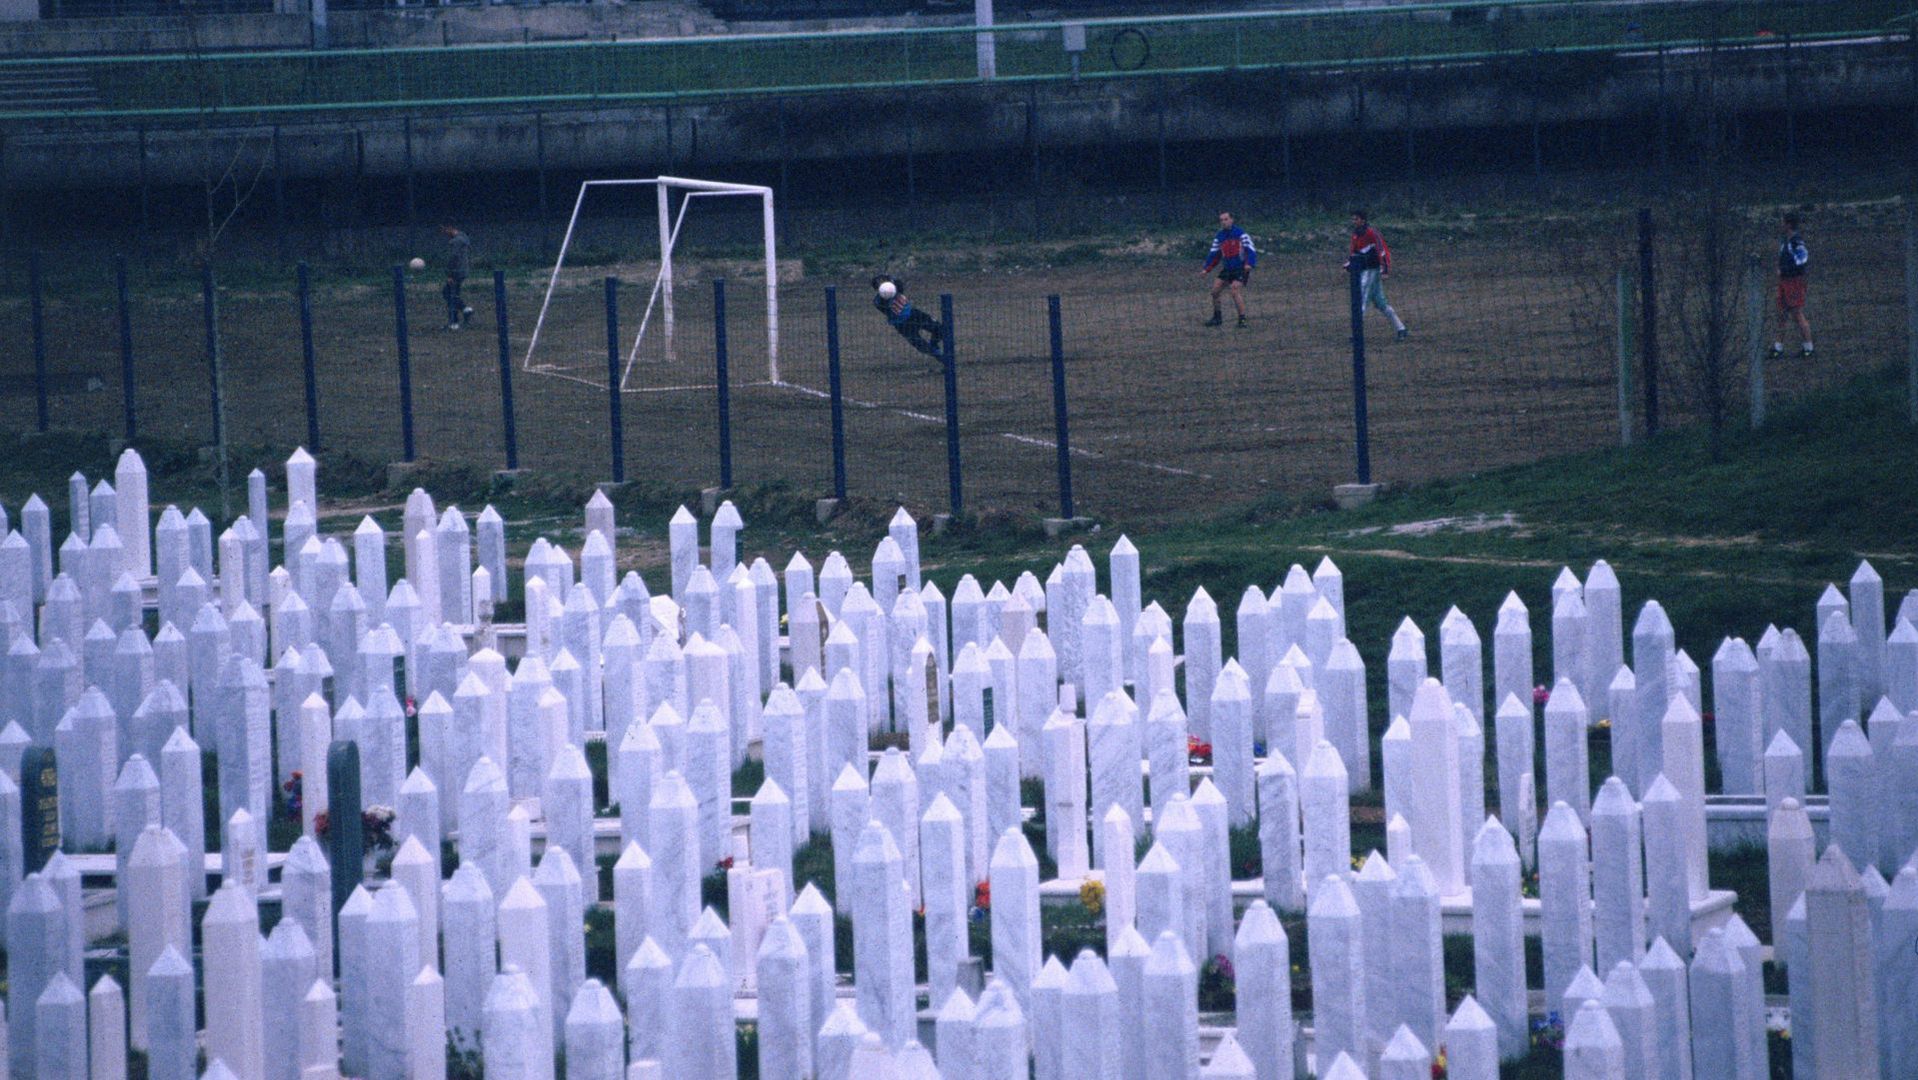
1512 356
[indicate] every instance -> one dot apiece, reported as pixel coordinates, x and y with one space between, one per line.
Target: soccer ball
417 264
887 290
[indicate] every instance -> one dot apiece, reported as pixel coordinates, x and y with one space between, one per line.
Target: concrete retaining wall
984 119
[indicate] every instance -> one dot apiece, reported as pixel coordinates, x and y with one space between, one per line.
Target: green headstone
345 841
39 808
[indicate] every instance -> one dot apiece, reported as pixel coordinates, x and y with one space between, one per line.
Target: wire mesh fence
1516 351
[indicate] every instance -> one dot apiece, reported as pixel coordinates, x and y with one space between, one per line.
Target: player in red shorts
1793 260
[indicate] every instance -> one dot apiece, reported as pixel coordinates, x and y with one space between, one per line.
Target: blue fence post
838 402
725 389
406 363
209 303
1358 375
1059 415
954 473
617 428
507 428
39 340
209 311
307 363
126 347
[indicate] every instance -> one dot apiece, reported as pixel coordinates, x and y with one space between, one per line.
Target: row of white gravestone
1067 722
1298 592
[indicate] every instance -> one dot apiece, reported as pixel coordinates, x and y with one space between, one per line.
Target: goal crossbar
662 293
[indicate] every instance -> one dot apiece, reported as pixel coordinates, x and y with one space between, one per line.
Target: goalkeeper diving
921 331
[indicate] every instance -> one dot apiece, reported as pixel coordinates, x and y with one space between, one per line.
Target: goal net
667 309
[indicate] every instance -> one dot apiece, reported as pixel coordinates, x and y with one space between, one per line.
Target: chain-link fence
1526 339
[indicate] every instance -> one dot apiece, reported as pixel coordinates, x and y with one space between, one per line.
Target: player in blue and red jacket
1232 252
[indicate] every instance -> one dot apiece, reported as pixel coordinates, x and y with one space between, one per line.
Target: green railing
260 84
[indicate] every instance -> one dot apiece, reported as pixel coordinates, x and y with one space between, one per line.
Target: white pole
652 298
772 291
666 264
578 201
988 56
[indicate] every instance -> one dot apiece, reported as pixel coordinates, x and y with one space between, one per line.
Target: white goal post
662 291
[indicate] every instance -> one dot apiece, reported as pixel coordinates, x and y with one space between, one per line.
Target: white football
887 290
417 264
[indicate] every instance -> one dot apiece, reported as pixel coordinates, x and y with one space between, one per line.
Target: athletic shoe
1217 319
1777 349
1242 323
452 326
1807 351
1402 334
466 313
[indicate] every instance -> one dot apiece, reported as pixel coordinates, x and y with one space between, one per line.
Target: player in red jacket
1374 261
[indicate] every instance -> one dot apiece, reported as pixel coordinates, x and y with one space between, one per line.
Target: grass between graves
1726 544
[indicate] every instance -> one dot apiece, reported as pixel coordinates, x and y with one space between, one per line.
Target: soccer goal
656 337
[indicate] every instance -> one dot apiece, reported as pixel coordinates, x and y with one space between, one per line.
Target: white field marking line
690 386
552 371
1028 440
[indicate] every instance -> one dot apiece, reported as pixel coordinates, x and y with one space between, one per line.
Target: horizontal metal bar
1573 9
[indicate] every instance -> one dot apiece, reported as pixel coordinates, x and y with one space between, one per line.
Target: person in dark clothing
920 330
1793 262
459 261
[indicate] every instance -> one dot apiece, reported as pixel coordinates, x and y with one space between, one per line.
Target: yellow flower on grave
1092 893
1605 723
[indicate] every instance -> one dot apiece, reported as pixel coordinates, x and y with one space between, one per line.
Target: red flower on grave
412 710
1199 753
1540 695
982 896
725 863
1705 718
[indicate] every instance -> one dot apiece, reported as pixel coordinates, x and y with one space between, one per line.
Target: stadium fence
1073 388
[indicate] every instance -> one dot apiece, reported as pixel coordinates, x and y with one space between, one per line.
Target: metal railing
259 84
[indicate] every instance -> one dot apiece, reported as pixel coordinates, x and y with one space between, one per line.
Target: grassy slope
1725 545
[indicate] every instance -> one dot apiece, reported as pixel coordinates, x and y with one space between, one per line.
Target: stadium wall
986 119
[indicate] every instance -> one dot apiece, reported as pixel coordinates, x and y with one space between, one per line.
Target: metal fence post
216 376
1623 318
1059 416
406 363
1911 303
126 347
1648 317
617 427
1755 326
307 360
1359 409
725 385
955 486
838 401
507 429
39 340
